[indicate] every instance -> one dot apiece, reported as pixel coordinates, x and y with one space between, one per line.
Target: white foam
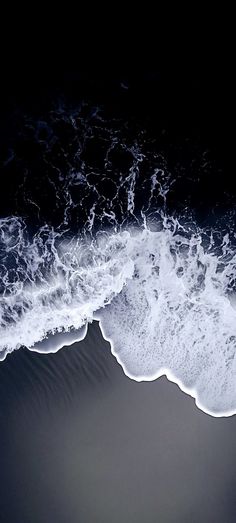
163 298
56 288
177 322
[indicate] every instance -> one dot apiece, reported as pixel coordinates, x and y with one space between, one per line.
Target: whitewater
163 294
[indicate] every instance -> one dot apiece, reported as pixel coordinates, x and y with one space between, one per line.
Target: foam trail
163 294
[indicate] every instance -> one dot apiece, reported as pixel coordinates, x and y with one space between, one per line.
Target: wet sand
82 443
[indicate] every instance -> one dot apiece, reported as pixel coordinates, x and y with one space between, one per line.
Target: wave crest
164 296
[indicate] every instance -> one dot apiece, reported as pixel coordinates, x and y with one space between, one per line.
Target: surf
163 293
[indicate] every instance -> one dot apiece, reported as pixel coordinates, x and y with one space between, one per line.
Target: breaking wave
163 293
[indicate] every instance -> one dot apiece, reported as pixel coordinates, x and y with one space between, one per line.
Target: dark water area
81 442
186 111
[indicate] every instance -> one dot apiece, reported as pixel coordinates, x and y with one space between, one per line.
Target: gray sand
82 443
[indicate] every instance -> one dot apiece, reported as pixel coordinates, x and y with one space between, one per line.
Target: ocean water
102 221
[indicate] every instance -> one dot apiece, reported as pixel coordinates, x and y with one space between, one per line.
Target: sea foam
163 294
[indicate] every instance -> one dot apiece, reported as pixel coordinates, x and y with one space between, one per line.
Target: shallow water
82 442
